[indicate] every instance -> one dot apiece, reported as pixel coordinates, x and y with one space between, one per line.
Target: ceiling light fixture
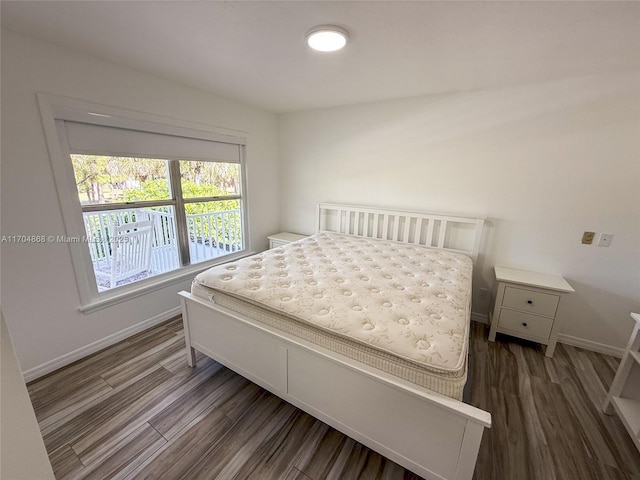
327 38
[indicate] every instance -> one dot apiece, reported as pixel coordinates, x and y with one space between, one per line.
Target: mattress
401 308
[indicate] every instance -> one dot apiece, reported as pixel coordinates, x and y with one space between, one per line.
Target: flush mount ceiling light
327 38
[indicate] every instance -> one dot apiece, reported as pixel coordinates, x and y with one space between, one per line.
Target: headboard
446 232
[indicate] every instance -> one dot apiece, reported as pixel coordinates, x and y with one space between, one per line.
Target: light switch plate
587 237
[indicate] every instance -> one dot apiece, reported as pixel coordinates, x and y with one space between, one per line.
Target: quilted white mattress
399 307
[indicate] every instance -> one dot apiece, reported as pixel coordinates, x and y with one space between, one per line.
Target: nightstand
283 238
526 306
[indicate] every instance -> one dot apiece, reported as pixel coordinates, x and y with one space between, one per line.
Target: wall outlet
587 237
605 239
483 294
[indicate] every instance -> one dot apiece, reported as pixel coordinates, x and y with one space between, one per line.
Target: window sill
123 294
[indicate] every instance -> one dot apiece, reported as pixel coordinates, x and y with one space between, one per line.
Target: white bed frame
430 434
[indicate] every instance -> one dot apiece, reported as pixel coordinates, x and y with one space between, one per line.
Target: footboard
432 435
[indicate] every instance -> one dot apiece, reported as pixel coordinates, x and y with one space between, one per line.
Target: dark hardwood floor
136 411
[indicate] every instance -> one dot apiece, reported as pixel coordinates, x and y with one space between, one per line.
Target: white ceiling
255 51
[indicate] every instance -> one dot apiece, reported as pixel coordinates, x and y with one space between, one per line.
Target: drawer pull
530 302
524 324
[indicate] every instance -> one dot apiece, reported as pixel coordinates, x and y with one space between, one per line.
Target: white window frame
54 111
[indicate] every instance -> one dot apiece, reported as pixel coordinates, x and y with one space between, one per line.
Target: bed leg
191 356
191 353
469 450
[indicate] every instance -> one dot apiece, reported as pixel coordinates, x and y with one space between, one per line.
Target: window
143 202
117 191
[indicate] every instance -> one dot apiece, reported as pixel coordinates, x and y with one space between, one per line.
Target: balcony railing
211 235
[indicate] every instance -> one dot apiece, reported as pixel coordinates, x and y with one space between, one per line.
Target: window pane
104 179
215 229
209 179
127 246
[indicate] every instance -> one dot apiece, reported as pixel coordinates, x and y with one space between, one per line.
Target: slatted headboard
446 232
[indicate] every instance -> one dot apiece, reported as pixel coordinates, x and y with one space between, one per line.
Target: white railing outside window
214 234
211 235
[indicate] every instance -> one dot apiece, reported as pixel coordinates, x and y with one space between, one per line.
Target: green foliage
101 179
206 207
104 179
91 173
159 189
149 190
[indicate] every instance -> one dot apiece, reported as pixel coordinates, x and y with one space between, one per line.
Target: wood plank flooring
136 411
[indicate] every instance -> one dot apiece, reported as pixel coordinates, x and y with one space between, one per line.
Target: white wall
23 455
542 162
40 297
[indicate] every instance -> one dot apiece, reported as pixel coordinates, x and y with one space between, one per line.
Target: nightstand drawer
277 243
521 322
529 301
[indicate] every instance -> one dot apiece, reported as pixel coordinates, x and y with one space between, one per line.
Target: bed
364 325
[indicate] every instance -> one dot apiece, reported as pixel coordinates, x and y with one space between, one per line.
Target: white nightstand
283 238
526 306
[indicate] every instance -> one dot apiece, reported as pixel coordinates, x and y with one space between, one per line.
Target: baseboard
480 318
66 359
568 340
591 345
